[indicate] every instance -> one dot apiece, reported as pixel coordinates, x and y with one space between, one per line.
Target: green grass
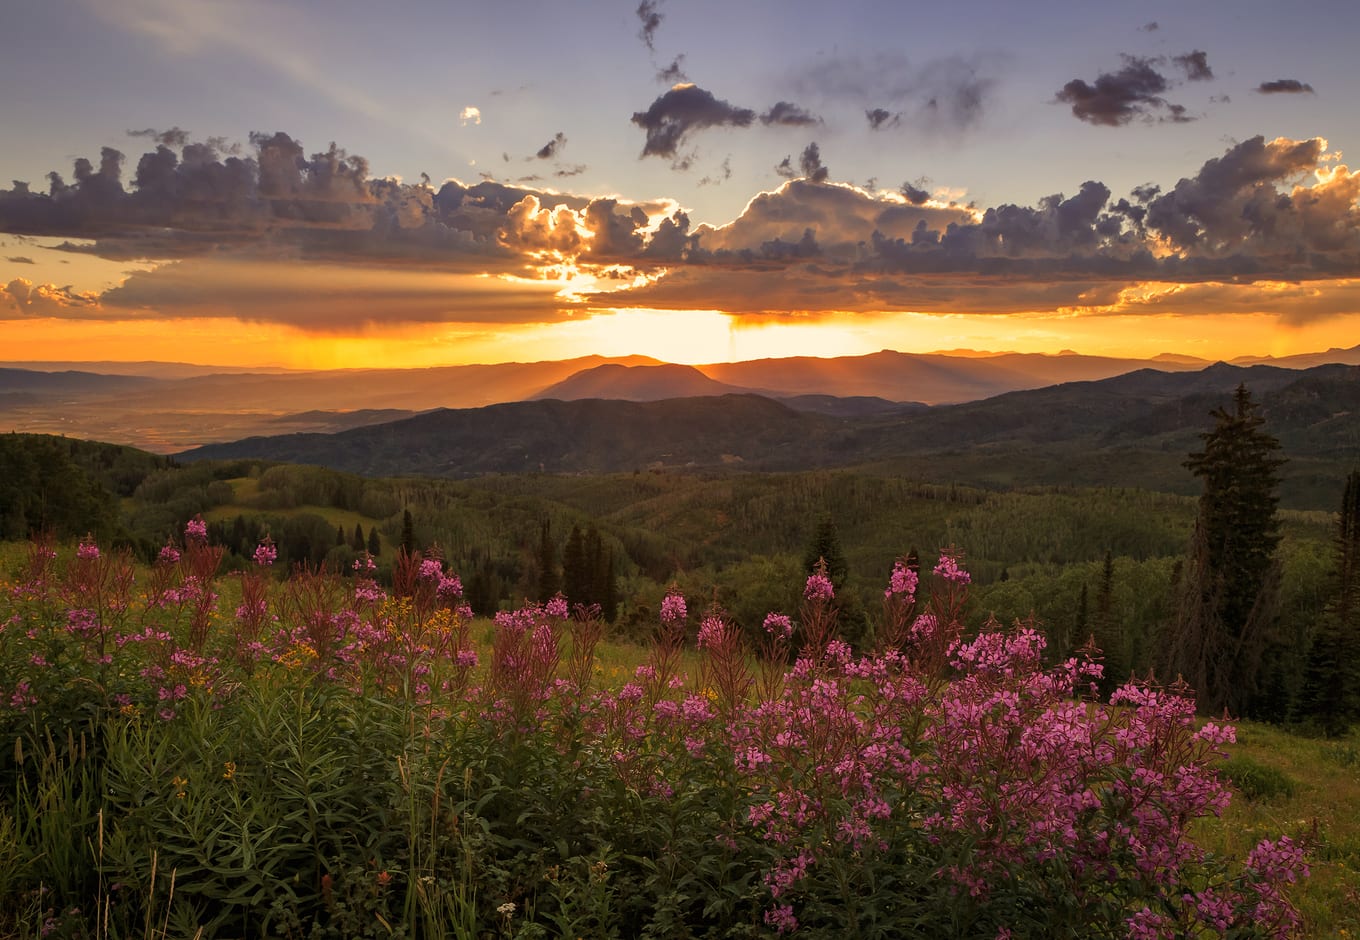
1323 813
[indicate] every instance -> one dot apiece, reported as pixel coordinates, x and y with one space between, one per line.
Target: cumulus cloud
1117 98
22 298
789 114
681 111
1285 86
552 147
470 115
286 235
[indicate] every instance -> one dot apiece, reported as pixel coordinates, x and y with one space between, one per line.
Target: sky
332 184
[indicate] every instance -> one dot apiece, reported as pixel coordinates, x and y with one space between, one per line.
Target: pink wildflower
196 530
902 582
87 549
265 553
948 568
673 609
818 588
778 625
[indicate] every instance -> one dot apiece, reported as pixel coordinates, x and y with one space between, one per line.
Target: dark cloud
681 111
879 118
174 137
1150 27
650 17
552 147
914 195
566 171
1116 98
1285 86
724 174
945 94
286 235
1195 64
810 161
790 115
674 73
19 259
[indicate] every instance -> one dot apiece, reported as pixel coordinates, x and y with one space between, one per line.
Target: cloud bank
274 233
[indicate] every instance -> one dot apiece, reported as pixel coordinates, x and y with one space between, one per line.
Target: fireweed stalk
945 783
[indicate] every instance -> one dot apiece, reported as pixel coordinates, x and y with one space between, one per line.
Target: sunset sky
331 184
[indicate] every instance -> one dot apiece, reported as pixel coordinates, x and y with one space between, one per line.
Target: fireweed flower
450 588
169 555
673 609
902 582
87 549
557 607
711 633
431 570
266 554
196 530
818 588
778 625
948 568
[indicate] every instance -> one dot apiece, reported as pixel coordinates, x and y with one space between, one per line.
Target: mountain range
168 407
1130 430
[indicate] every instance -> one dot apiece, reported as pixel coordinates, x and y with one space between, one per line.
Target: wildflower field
187 754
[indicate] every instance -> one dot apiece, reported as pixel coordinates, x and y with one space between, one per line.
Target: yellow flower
180 784
229 770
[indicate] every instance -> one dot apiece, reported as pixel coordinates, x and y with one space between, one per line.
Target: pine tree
1109 631
357 541
826 546
1331 693
408 533
374 543
576 573
1230 585
340 538
548 582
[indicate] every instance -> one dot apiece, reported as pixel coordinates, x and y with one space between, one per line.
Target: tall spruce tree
549 583
1331 694
576 573
826 546
1230 586
408 532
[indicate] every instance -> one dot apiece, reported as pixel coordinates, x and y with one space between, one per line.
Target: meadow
195 752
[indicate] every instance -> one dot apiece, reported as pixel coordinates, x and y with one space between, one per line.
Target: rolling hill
1125 430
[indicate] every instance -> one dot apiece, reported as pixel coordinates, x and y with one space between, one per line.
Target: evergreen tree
1331 693
1109 631
374 543
340 538
826 546
1230 585
408 533
548 582
357 541
576 573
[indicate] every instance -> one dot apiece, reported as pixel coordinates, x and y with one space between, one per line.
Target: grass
1323 813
